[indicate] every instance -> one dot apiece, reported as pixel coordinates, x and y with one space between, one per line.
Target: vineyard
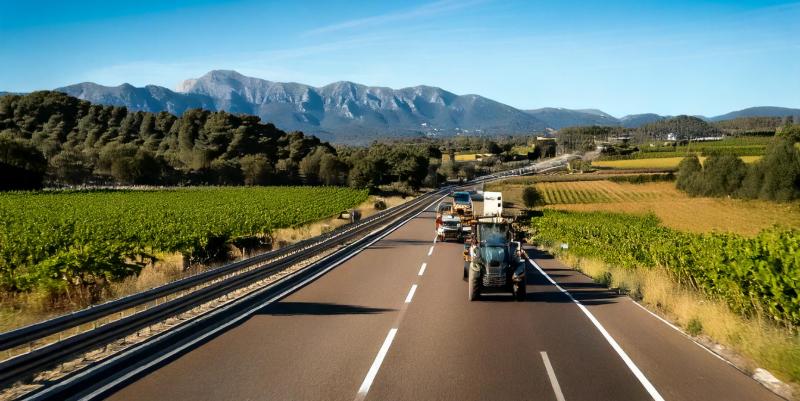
753 276
59 240
582 192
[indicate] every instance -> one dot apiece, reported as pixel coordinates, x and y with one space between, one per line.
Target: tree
531 197
147 168
791 132
22 166
362 174
722 175
535 154
287 171
449 169
70 167
256 169
493 148
467 171
689 171
227 172
781 169
331 170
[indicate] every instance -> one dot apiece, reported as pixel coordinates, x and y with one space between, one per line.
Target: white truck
492 204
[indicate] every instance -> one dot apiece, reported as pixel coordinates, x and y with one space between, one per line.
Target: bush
689 171
778 172
531 197
379 205
722 175
694 327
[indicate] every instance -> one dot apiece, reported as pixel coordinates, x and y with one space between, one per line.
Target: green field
55 240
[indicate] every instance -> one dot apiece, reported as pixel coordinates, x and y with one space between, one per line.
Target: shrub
689 171
694 327
722 175
379 205
531 197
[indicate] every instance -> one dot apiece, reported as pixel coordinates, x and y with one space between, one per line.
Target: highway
393 323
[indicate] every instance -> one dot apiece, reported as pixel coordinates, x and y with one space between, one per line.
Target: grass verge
748 342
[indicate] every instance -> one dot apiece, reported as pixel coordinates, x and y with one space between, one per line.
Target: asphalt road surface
394 323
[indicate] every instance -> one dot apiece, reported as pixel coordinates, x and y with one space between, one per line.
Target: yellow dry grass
673 207
757 342
466 157
659 163
290 235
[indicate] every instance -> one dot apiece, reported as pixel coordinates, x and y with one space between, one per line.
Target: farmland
660 156
673 207
655 162
56 240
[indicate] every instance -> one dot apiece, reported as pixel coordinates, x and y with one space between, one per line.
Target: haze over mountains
350 112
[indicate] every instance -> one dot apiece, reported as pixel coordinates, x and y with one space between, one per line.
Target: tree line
584 138
50 138
775 177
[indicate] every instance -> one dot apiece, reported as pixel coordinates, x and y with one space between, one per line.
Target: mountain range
350 112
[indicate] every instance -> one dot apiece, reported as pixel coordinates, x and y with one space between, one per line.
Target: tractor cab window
493 255
493 234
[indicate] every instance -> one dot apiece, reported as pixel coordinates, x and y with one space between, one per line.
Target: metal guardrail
25 364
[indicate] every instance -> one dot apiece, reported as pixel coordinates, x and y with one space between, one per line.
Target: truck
493 261
462 204
492 203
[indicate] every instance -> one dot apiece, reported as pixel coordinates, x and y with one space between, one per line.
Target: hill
558 118
637 120
762 111
682 127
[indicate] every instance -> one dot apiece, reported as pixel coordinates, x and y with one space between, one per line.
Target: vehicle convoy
493 261
462 204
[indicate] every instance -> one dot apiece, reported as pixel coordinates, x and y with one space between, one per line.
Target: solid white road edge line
625 358
411 293
422 269
230 322
376 365
676 328
552 374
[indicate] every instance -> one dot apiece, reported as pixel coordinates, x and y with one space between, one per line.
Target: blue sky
677 57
